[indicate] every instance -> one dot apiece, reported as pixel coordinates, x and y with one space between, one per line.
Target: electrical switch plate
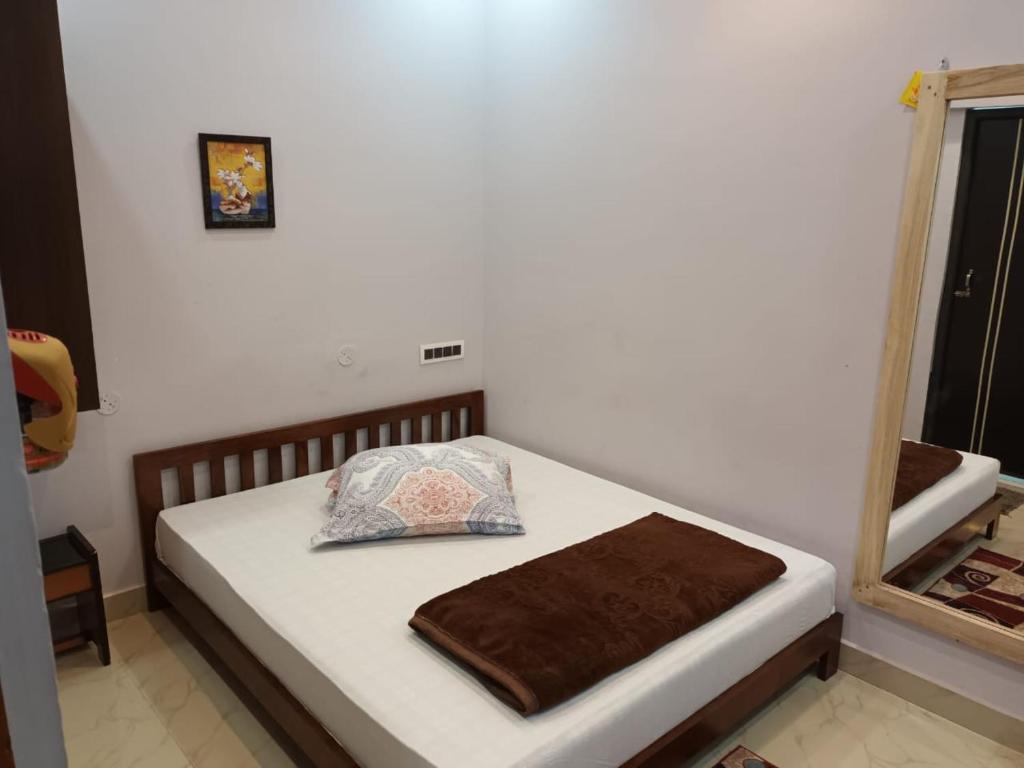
442 352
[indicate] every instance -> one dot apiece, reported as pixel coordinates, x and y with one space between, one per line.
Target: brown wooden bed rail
313 444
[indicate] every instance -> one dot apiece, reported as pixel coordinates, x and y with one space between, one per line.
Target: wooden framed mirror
942 521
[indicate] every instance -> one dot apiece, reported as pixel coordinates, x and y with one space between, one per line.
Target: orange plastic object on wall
45 380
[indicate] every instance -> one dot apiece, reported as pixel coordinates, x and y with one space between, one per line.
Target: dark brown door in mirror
975 400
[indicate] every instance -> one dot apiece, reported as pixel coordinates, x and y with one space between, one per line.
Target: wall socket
442 352
346 355
110 403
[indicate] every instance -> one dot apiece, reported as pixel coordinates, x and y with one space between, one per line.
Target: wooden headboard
312 443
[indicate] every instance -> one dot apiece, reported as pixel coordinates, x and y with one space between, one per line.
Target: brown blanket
544 631
920 467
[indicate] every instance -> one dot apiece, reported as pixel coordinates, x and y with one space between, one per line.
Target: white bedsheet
936 509
331 623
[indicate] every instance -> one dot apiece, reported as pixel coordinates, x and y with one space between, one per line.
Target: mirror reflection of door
956 531
976 393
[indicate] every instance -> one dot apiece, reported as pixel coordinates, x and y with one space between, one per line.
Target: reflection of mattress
938 508
331 623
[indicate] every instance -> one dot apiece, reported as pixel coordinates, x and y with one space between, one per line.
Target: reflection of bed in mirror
935 523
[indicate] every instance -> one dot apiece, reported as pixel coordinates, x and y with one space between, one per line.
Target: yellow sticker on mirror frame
910 93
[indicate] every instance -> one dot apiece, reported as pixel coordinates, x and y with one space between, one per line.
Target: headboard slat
247 466
326 452
476 418
217 476
148 466
274 464
186 484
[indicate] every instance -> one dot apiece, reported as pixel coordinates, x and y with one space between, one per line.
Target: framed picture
238 182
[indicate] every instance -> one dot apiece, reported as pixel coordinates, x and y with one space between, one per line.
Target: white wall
374 109
692 216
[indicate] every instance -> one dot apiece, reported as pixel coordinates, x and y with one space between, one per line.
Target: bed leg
154 600
828 663
992 529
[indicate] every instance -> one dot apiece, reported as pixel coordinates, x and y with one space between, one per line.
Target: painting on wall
238 185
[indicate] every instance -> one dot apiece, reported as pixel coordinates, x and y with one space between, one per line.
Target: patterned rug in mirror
986 584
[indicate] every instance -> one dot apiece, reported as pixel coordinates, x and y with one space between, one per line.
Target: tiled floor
847 723
160 705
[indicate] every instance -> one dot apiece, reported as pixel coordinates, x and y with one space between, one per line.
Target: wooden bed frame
298 731
983 520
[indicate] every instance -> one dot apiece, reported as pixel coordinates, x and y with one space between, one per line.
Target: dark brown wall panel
42 265
6 754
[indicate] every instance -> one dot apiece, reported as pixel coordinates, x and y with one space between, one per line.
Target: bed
318 640
935 523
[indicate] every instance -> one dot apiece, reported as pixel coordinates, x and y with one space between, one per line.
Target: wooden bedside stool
74 595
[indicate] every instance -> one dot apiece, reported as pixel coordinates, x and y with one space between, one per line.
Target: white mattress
936 509
331 623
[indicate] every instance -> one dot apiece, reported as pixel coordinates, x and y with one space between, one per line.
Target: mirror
956 533
943 532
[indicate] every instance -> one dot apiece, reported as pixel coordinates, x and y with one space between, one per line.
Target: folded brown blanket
920 467
543 631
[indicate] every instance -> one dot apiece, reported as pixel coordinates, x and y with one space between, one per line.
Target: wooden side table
74 594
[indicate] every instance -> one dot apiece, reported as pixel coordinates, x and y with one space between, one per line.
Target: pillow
420 490
334 481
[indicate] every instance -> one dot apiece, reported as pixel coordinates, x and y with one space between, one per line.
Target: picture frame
237 181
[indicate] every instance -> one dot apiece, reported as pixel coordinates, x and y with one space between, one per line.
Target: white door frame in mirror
937 90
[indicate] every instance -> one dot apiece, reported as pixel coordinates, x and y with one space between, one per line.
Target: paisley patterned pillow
334 481
419 490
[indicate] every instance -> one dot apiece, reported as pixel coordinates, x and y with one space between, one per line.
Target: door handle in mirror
965 292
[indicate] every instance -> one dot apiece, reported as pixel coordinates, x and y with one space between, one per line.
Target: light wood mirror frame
937 90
